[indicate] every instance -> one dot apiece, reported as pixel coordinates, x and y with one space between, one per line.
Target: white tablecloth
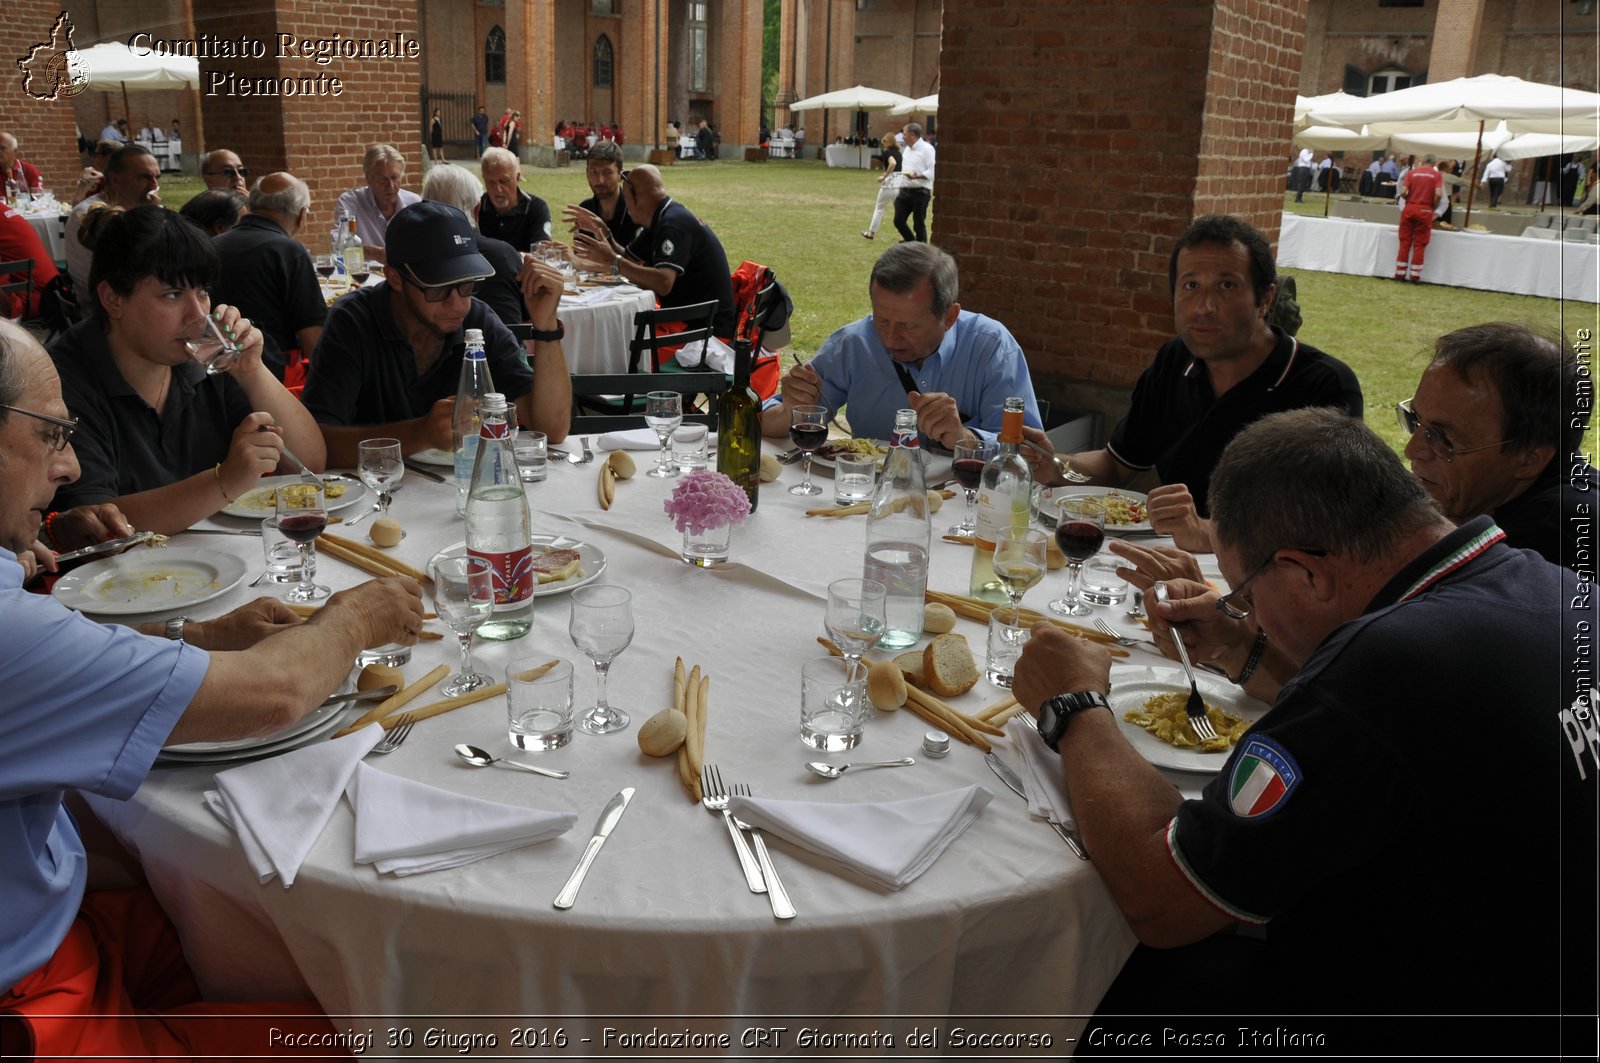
1007 921
850 156
599 325
50 226
1553 269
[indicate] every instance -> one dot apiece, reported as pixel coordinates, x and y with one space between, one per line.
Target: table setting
920 890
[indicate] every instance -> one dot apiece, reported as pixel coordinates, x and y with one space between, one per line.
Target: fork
1115 635
588 455
400 732
782 908
1196 708
1068 473
715 798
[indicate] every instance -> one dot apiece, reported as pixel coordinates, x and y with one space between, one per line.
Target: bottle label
905 439
494 429
513 575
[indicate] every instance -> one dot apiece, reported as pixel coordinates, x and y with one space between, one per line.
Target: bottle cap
936 744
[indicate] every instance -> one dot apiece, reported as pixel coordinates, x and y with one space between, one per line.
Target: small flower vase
707 547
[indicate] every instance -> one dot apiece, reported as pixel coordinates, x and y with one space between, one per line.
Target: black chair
696 322
18 281
613 393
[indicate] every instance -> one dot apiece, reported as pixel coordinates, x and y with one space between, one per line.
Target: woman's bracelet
216 470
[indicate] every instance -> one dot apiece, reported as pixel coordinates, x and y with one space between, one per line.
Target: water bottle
899 534
1003 492
739 428
498 526
473 388
353 254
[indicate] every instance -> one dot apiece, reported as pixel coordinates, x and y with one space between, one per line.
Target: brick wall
1078 139
43 128
1455 39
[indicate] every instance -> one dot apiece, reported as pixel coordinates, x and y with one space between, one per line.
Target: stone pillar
1455 39
43 127
1077 139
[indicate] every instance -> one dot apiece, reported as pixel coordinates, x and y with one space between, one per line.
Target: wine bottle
899 536
1003 492
739 426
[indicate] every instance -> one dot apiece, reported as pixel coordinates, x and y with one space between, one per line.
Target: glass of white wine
1019 562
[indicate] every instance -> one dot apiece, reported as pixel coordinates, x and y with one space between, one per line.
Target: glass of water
539 703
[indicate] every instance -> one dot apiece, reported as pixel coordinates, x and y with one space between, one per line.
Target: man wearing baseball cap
390 354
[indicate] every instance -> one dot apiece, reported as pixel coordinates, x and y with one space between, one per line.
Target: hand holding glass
663 412
463 596
209 345
602 627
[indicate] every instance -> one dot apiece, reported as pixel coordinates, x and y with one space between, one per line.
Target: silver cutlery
375 694
109 546
790 456
833 771
715 798
602 830
1136 610
358 518
223 531
1003 772
588 455
479 758
782 907
1068 473
1196 706
399 733
426 474
1116 636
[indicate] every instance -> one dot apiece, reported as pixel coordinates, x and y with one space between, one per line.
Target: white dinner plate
440 458
260 501
149 581
319 720
820 462
1132 687
592 562
1047 516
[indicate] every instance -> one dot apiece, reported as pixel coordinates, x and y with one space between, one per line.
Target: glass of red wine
968 471
808 430
302 514
324 267
1080 531
358 279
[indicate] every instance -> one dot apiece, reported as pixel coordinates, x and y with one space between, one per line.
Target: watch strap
548 336
175 626
1057 711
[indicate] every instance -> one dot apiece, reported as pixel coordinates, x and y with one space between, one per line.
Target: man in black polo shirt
675 255
267 273
508 213
390 356
603 171
1226 368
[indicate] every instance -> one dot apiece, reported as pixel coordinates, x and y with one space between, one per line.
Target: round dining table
1007 935
598 319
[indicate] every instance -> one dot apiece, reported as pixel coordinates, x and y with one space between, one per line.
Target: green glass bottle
739 426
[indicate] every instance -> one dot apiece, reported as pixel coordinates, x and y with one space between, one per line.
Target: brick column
1077 139
313 133
43 128
1455 39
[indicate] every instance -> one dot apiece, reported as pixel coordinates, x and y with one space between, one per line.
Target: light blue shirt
978 364
86 706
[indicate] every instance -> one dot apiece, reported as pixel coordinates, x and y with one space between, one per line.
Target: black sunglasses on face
231 171
439 293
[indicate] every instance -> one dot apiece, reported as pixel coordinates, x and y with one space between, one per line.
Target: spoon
833 771
480 759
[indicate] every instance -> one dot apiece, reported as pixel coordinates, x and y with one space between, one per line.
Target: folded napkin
405 827
1042 775
278 806
640 439
891 842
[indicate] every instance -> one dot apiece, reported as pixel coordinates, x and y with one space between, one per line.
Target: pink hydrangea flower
705 499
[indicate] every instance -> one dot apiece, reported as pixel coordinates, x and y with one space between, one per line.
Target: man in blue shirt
917 350
87 707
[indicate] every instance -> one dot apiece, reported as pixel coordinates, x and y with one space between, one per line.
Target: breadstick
383 708
439 708
998 707
944 715
534 673
379 556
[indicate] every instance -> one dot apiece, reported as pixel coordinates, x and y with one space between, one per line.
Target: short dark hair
1314 478
900 268
606 151
214 207
150 241
124 155
1544 394
1227 230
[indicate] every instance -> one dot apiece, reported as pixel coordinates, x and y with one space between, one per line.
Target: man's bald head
283 197
643 191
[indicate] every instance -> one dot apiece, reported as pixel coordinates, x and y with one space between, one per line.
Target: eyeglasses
59 436
231 171
1437 441
1235 605
440 292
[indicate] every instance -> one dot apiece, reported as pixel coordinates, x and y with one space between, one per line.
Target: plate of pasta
1149 704
1126 511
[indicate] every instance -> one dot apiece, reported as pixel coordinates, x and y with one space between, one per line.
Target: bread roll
622 464
663 733
948 667
938 618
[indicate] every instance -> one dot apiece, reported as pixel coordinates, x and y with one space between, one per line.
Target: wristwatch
1054 714
616 266
548 336
174 629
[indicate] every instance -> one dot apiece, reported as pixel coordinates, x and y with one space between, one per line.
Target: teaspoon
480 759
833 771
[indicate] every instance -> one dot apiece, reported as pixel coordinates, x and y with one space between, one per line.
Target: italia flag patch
1264 775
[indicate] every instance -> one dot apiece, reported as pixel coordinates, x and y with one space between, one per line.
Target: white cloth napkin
640 439
405 827
891 842
279 806
1043 777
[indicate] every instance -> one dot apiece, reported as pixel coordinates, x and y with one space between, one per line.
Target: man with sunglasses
390 354
222 169
1341 821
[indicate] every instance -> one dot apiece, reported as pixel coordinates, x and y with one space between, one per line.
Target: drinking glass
539 703
1019 561
833 705
463 596
324 267
663 412
208 345
381 467
1080 530
602 627
968 471
302 514
808 430
855 616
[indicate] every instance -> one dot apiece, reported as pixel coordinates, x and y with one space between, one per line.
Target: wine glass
1019 562
1080 530
854 619
967 468
302 514
359 278
324 267
663 412
602 627
463 596
381 467
808 430
208 345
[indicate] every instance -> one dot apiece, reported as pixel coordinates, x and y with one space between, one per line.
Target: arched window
602 62
494 57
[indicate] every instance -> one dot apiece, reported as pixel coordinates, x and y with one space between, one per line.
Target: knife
1004 773
375 694
426 474
107 547
602 830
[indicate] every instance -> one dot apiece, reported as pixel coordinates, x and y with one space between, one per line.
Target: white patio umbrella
921 105
855 98
113 65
